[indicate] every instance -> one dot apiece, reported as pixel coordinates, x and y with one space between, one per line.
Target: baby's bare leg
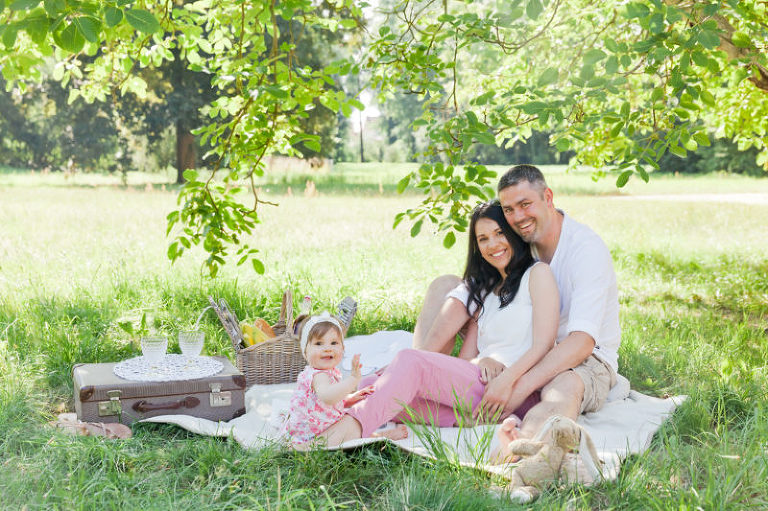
346 428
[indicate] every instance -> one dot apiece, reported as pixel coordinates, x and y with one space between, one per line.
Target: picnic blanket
624 426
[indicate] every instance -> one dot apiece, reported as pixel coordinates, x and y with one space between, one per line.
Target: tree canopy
620 84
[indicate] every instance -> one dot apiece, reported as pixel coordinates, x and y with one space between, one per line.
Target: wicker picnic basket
278 360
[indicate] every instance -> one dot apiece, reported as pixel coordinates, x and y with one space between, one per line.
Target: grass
79 256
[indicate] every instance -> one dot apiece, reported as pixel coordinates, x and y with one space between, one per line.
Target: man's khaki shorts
598 378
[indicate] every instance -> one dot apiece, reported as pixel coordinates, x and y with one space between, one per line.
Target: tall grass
78 259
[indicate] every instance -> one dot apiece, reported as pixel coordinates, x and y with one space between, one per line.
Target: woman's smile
493 244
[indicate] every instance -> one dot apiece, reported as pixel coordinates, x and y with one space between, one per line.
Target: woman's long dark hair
480 277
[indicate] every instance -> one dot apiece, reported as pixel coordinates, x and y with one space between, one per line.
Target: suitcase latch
113 406
219 398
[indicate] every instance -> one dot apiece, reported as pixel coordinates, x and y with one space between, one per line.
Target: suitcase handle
145 406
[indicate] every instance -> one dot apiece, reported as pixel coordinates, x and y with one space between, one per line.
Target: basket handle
286 310
229 322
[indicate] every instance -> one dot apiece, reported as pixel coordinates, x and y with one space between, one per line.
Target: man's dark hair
519 173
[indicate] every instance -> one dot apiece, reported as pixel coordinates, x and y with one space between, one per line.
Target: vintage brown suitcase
102 396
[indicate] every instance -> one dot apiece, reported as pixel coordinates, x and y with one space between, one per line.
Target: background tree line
40 130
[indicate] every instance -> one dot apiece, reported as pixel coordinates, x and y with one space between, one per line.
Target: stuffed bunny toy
545 458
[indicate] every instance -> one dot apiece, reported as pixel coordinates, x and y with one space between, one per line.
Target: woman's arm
545 301
331 393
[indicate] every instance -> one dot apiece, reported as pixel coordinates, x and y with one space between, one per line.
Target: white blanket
625 425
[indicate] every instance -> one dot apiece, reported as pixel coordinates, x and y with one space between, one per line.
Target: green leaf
484 137
533 107
549 76
141 20
449 240
23 5
741 40
593 56
563 144
677 150
190 175
113 16
643 174
612 65
276 91
9 35
258 266
699 58
172 250
403 183
708 39
69 39
637 10
711 9
89 27
416 228
701 138
312 145
623 178
656 23
656 95
587 72
54 7
534 9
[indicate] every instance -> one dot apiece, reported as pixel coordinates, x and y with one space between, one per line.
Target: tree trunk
185 150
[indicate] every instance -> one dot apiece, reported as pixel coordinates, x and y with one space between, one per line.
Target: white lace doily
172 368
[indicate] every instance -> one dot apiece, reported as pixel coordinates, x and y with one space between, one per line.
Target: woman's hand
497 394
358 396
489 369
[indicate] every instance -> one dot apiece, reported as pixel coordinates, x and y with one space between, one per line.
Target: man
576 375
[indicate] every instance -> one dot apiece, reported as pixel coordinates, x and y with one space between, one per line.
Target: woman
513 304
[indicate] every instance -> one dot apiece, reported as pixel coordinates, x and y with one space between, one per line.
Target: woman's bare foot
508 432
399 432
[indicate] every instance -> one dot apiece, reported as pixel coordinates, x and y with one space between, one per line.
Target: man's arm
567 354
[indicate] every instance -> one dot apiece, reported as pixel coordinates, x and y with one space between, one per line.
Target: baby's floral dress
308 415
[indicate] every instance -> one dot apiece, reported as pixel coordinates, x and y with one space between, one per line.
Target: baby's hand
358 396
356 367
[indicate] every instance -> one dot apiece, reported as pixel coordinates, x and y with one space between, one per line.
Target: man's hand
489 369
497 394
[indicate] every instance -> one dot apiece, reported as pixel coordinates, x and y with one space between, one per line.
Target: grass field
79 255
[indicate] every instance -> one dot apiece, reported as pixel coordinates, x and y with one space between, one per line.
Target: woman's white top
503 334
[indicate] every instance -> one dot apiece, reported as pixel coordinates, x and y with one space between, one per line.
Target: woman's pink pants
423 386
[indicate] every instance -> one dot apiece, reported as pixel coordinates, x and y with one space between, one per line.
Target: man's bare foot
509 431
399 432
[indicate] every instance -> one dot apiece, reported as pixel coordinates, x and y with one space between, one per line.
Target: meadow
80 255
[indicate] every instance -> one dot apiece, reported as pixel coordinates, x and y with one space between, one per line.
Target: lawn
80 255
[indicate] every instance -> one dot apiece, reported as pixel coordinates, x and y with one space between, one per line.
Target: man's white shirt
589 297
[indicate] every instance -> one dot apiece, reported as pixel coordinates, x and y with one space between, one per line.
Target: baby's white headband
324 317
